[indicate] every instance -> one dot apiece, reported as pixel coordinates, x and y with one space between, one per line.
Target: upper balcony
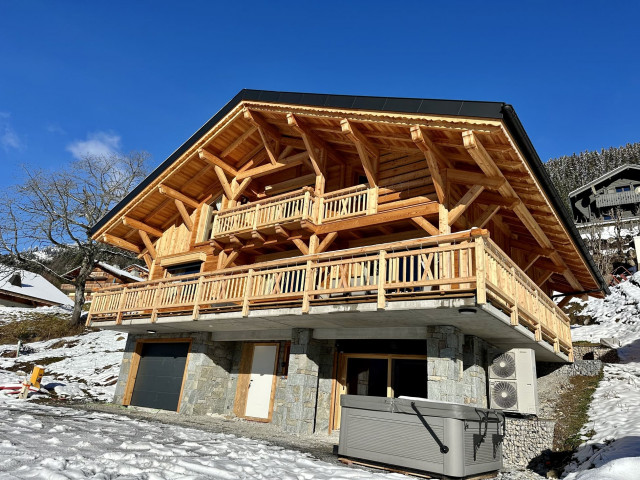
431 280
617 198
291 210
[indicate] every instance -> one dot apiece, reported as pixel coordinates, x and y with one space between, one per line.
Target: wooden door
259 388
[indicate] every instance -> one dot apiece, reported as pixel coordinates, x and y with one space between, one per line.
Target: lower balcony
463 279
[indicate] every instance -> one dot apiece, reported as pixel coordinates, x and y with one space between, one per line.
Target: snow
613 452
118 272
34 286
44 442
16 314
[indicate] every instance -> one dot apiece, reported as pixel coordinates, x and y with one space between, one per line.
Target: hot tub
437 437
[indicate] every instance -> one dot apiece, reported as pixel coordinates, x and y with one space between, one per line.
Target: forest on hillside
572 171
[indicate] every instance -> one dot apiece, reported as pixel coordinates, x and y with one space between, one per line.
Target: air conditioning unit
512 380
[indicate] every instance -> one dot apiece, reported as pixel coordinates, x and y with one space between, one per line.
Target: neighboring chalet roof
604 177
234 135
31 286
119 273
135 266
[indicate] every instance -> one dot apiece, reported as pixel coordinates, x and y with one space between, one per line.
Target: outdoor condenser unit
437 437
512 380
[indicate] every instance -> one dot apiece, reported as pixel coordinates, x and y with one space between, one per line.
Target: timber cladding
158 383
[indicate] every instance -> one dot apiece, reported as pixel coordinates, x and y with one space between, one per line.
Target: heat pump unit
512 380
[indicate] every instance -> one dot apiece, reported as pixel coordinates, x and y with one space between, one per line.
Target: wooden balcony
618 198
292 209
465 264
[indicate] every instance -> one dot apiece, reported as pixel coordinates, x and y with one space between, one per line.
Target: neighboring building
20 288
104 275
303 246
614 193
137 271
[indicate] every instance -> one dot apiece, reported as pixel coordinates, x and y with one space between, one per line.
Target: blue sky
139 75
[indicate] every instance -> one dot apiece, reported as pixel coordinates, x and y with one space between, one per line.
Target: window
606 217
623 189
184 269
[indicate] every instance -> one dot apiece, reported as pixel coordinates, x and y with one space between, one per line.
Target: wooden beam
369 155
216 161
465 177
230 258
184 214
283 164
379 218
267 131
239 189
138 225
527 247
118 242
176 195
238 141
326 242
488 198
530 263
418 137
486 216
312 143
549 266
147 243
292 184
464 203
301 246
563 303
426 225
222 178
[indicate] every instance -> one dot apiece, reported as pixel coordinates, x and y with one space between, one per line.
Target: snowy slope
614 450
82 366
38 441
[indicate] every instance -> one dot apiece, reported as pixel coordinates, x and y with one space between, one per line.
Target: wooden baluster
198 296
154 303
308 280
256 214
382 274
538 332
514 287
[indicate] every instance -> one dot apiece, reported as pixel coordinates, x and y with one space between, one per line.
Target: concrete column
301 392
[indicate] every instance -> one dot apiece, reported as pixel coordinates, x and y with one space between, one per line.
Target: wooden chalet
104 275
343 244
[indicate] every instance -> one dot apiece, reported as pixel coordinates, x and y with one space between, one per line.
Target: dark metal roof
463 108
604 177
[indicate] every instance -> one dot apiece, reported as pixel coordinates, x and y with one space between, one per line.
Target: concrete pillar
301 393
474 376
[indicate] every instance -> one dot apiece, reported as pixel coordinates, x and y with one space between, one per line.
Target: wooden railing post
154 303
305 205
197 298
372 198
320 217
123 298
382 275
247 293
514 294
481 274
306 296
255 217
538 332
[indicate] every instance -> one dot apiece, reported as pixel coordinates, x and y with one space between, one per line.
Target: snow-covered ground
614 450
56 443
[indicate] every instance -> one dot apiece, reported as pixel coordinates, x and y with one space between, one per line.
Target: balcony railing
295 207
456 265
618 198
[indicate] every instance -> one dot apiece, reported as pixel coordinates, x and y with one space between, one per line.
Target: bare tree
58 208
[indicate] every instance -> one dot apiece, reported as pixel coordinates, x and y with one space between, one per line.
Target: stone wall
587 368
595 352
525 440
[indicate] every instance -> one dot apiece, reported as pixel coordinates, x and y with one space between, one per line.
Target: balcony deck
464 269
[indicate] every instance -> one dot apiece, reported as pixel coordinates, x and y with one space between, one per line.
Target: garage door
160 373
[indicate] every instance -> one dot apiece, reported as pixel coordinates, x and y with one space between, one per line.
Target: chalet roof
32 287
120 273
445 115
604 177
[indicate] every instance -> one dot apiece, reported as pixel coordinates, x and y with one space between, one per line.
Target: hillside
572 171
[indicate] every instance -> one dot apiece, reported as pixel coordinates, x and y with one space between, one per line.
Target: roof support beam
118 242
419 138
464 177
184 214
147 243
283 164
176 195
326 242
222 178
488 214
136 224
369 155
216 161
464 203
238 141
267 132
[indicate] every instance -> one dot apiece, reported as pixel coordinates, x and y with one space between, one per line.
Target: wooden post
121 306
247 293
481 274
255 217
320 211
514 308
196 305
154 304
538 332
305 205
306 296
382 274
